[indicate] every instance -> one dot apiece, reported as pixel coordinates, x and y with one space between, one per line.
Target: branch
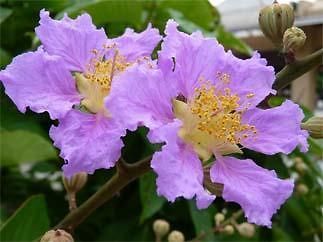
125 174
296 69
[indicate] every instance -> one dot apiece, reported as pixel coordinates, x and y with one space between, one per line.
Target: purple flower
75 67
202 101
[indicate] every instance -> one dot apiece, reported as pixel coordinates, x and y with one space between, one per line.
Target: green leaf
4 13
28 223
12 119
111 11
298 214
279 235
151 202
21 146
316 146
184 23
200 12
275 101
202 221
229 41
5 58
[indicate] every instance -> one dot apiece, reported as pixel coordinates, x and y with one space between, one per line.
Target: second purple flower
202 102
69 76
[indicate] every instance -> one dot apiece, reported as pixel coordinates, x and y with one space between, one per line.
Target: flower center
212 121
95 83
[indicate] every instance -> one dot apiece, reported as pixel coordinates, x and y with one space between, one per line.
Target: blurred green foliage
30 165
35 222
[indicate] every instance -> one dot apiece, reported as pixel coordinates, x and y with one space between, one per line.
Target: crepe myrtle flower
69 76
201 102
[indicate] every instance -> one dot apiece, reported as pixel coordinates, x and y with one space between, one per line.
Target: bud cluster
314 126
57 235
161 228
276 21
75 183
294 38
229 225
246 229
176 236
300 167
72 186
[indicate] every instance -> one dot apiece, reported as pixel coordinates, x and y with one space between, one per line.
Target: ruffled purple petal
251 79
140 96
72 39
196 57
259 192
179 170
278 129
133 45
41 82
87 142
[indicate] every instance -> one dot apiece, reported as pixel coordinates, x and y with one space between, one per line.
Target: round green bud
314 126
274 20
294 38
246 230
219 218
228 229
300 167
301 189
161 227
298 160
57 235
75 183
176 236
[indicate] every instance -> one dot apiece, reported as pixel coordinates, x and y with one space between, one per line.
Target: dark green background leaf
28 223
111 11
203 221
151 202
24 146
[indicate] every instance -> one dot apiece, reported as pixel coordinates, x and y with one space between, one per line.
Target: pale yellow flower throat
212 120
95 83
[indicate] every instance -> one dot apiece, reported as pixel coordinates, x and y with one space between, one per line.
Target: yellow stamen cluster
95 83
217 114
101 71
224 77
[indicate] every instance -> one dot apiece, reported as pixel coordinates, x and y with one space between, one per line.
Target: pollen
94 83
250 95
101 70
224 77
218 114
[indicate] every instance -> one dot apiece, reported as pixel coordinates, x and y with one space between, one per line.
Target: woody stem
125 174
297 68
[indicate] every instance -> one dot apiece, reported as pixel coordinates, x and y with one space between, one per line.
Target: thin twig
296 69
72 200
125 174
230 220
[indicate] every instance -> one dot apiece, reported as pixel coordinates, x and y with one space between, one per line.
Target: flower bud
75 183
293 39
161 227
228 229
300 167
246 229
302 189
58 235
298 160
176 236
314 126
274 20
219 218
